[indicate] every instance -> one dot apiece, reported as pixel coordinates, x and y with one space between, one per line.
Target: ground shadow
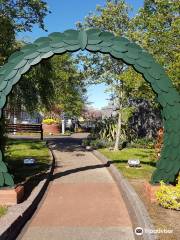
67 144
80 169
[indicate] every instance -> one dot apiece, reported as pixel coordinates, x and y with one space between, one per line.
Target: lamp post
63 123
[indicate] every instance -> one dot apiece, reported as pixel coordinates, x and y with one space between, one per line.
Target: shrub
169 196
96 143
3 210
50 121
99 143
141 143
85 142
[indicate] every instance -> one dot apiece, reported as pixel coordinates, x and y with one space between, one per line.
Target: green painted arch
95 40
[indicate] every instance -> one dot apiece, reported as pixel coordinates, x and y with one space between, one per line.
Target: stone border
135 206
18 215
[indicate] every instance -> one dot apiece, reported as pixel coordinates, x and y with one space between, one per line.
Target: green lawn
17 150
3 210
120 158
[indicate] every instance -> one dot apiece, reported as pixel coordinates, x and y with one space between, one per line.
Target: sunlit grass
120 158
18 150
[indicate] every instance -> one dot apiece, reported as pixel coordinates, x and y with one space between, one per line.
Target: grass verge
17 150
120 158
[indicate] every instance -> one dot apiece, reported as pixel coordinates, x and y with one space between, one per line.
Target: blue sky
65 14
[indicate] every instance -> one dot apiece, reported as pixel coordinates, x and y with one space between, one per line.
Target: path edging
135 206
18 215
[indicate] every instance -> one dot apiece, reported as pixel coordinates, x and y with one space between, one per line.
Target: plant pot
11 196
150 191
51 128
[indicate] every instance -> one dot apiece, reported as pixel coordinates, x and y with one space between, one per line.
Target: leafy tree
114 17
35 89
54 83
24 14
7 38
156 29
69 87
18 16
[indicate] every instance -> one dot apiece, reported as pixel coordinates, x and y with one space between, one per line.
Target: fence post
41 132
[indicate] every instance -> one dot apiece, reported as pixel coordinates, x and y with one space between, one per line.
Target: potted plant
51 126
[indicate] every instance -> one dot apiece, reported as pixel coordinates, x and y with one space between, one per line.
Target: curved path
82 202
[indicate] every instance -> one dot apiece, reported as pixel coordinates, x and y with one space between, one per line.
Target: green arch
95 40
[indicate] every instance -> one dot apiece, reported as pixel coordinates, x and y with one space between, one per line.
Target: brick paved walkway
82 201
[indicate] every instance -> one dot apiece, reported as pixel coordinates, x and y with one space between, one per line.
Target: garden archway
95 40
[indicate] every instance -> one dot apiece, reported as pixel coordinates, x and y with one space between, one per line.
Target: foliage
70 89
33 92
86 142
169 196
122 81
142 143
156 29
106 129
3 210
96 143
24 14
54 83
146 120
18 16
50 121
7 36
114 17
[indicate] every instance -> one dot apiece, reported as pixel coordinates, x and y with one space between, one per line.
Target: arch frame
94 40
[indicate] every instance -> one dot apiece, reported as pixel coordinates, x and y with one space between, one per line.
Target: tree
54 83
34 91
69 87
114 17
18 16
156 29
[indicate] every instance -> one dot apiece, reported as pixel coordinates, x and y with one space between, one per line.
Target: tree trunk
119 123
118 131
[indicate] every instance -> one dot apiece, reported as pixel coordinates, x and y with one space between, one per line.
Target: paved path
82 201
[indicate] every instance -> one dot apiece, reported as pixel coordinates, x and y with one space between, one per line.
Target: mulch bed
162 218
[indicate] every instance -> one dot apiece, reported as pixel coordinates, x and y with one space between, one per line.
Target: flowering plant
50 121
169 196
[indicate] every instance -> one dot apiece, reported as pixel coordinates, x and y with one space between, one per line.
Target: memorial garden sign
121 48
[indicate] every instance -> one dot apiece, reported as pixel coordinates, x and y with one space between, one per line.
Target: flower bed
51 126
